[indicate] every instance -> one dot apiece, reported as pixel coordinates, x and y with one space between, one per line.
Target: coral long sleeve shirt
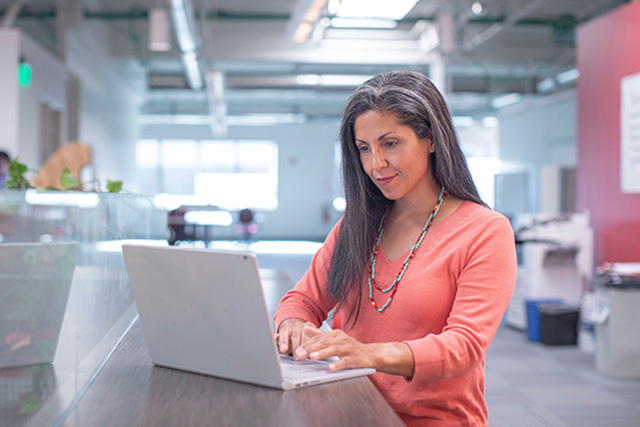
447 309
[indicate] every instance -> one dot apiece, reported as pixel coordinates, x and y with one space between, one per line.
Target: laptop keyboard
303 370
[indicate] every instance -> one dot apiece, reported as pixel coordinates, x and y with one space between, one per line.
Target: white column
9 108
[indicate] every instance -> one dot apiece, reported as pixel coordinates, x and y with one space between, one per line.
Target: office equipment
617 285
204 311
555 260
35 280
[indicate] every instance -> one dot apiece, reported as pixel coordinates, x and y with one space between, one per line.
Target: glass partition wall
65 300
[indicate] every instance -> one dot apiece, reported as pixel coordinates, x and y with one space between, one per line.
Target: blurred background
221 119
177 97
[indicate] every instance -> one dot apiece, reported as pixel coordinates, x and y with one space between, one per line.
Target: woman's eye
389 143
363 148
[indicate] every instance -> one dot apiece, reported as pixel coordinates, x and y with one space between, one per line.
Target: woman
419 272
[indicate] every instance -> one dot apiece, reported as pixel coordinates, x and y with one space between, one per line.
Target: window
483 170
227 173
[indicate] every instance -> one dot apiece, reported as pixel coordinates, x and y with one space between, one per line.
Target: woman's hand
289 336
393 358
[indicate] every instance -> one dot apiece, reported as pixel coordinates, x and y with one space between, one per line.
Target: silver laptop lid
203 310
35 281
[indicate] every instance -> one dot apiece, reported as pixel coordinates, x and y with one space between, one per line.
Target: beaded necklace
374 253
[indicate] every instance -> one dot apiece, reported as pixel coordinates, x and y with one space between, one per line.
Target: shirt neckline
434 234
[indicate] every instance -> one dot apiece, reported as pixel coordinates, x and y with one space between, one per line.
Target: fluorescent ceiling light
568 76
333 6
207 120
363 23
331 79
303 19
177 119
490 122
266 119
505 100
376 46
396 9
463 121
546 85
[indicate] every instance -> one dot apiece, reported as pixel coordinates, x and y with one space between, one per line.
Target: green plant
114 186
68 181
17 181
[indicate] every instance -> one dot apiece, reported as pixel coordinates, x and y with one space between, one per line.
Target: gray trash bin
618 336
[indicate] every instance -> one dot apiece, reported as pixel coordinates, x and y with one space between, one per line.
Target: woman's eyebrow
383 135
380 138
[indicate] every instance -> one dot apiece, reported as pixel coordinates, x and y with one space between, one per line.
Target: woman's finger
283 340
311 331
326 352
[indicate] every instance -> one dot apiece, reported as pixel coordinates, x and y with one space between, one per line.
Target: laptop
204 311
35 281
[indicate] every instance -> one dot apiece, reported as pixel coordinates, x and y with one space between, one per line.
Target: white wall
48 86
111 93
306 169
544 134
9 57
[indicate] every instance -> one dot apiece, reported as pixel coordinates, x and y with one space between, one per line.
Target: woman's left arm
484 287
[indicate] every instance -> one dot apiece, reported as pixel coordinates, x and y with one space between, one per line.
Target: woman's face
392 155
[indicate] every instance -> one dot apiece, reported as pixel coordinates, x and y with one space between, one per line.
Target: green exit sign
24 74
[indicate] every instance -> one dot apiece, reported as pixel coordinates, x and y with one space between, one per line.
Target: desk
131 391
128 390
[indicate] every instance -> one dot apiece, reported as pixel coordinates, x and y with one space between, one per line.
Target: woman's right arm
309 302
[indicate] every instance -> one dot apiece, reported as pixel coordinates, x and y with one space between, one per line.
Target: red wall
608 49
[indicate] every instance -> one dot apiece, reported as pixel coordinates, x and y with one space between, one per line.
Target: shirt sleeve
310 299
484 289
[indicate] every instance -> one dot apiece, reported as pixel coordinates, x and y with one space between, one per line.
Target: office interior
220 118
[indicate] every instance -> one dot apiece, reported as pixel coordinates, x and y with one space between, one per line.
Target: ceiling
510 47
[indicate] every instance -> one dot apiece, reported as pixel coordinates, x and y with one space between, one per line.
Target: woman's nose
379 159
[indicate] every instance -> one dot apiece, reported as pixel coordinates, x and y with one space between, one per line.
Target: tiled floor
530 384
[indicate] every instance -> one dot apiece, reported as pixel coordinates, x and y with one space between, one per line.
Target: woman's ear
431 146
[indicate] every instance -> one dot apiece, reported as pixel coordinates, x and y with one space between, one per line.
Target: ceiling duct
183 23
11 13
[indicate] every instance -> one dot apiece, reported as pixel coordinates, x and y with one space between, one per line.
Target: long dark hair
417 103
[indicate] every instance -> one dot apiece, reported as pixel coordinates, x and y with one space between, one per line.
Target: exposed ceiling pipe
495 29
183 23
11 13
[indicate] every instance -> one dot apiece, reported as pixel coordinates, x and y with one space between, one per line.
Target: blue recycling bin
533 316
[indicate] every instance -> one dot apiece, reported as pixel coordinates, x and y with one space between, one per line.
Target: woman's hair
416 103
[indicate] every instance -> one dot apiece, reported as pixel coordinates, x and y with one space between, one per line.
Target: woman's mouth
384 181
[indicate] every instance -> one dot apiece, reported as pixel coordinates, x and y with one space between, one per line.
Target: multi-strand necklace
374 254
